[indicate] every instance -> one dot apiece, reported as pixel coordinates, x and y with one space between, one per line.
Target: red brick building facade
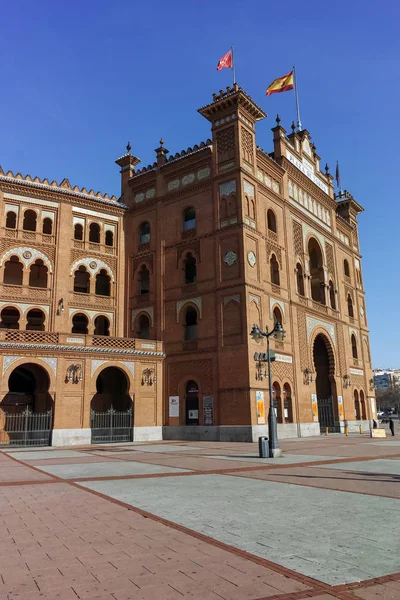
225 235
199 247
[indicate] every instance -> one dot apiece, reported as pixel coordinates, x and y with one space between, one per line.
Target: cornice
79 350
309 185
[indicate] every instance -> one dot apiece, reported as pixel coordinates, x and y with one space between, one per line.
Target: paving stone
106 469
283 460
380 465
26 455
295 522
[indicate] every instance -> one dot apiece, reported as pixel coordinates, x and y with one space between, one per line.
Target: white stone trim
92 270
307 230
149 310
52 362
71 437
227 188
92 314
78 221
312 323
46 214
92 213
8 361
31 200
280 303
34 255
196 301
235 298
147 434
130 365
25 307
11 208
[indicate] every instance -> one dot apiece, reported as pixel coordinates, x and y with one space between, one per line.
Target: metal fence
26 428
111 426
326 414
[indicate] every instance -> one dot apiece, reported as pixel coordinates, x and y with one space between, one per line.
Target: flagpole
233 67
297 99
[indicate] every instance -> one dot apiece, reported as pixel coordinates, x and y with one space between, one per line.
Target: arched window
350 309
94 233
11 220
101 325
144 280
317 272
346 268
276 392
191 324
274 270
82 281
78 231
287 404
277 316
103 284
9 318
271 220
47 227
13 271
144 233
362 402
109 238
189 219
80 324
29 222
38 274
35 320
356 405
354 349
144 328
332 297
300 279
223 208
190 268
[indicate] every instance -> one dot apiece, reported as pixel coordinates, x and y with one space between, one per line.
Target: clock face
251 257
230 258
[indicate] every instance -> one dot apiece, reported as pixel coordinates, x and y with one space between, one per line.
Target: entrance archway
28 387
324 363
111 415
112 388
192 403
26 410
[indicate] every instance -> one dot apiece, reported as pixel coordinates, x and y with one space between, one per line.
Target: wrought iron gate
325 413
111 426
26 428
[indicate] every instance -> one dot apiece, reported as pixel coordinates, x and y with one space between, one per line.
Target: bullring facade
148 300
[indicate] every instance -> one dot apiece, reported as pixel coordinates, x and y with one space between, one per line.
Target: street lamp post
257 334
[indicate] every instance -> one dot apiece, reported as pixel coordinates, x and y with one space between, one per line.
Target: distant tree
388 398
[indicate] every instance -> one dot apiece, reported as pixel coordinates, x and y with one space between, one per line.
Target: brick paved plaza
173 520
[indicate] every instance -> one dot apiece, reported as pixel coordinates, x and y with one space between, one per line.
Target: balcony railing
25 292
94 247
77 340
28 236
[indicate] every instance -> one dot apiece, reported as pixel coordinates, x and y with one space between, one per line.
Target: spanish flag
282 84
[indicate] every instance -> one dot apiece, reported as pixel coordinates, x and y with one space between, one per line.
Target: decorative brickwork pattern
193 247
247 145
284 371
273 248
303 345
147 259
341 367
78 255
329 259
298 239
225 143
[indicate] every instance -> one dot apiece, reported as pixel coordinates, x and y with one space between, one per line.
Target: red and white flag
225 62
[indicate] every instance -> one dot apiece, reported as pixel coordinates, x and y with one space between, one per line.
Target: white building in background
386 378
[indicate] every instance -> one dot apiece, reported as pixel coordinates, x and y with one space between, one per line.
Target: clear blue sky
80 79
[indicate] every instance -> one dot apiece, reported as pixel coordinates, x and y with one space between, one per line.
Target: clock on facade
251 257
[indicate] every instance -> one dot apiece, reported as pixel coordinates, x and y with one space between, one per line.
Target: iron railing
25 428
111 426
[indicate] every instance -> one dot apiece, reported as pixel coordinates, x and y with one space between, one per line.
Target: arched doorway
26 410
111 415
192 403
325 382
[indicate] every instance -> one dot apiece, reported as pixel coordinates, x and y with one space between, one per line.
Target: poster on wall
340 406
373 407
208 410
260 408
174 406
314 405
